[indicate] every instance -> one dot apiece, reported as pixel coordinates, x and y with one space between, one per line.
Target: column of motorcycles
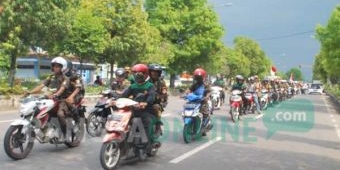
125 137
242 102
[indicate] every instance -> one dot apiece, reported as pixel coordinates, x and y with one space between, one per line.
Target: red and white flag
272 71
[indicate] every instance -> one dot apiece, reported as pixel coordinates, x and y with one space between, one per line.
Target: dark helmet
155 67
239 78
120 72
69 69
140 72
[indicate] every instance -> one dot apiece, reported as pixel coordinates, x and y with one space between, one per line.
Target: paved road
313 145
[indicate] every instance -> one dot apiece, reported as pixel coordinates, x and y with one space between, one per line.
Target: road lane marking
5 121
329 110
194 151
259 116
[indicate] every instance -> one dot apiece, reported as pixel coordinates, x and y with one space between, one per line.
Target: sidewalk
13 104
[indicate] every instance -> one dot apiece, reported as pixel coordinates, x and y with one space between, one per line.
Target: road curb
334 100
13 104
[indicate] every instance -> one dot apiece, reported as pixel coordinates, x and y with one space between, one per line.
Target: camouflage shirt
56 82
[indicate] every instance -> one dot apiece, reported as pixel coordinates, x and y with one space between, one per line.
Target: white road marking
5 121
329 110
258 116
192 152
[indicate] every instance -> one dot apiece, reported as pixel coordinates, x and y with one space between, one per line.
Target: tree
296 73
191 27
329 37
319 72
259 62
27 23
87 37
131 38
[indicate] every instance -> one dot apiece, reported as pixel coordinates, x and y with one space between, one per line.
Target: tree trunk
172 80
12 70
111 70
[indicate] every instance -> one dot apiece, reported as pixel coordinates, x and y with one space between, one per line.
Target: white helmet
61 61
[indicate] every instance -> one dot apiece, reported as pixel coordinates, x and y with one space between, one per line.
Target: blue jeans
256 100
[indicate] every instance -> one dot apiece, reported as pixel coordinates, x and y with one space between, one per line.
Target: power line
284 36
281 36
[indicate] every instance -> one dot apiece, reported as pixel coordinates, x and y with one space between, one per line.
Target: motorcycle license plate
118 122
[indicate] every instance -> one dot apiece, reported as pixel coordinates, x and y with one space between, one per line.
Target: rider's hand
26 93
142 105
70 100
112 103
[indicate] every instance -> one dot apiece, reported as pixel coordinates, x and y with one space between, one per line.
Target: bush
335 90
94 90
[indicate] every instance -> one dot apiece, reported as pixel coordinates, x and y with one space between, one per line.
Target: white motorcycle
264 99
38 121
215 96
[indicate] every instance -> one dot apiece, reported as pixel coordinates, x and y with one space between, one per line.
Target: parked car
315 88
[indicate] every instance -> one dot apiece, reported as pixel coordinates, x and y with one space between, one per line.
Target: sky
284 29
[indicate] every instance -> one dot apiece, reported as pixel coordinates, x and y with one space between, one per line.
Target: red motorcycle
126 137
249 104
235 105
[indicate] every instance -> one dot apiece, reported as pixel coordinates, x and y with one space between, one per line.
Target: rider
76 90
198 92
220 82
252 88
57 81
121 82
239 85
129 76
155 72
141 86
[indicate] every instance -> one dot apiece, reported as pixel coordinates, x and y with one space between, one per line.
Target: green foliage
335 90
192 29
88 36
328 60
94 90
27 23
259 62
296 73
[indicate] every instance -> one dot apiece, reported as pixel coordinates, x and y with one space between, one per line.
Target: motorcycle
249 103
264 99
126 137
97 117
235 105
39 121
194 123
215 96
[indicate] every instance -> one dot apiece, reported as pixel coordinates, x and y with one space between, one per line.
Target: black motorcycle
95 121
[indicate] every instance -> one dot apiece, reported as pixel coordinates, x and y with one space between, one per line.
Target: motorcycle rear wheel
93 125
110 155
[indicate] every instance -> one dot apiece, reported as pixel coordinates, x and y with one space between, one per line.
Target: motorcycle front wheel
17 144
110 155
188 132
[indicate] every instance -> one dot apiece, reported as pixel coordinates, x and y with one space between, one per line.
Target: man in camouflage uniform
161 101
121 82
75 91
57 82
